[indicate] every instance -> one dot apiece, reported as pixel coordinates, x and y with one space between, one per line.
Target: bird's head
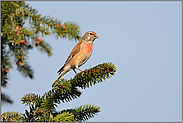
90 36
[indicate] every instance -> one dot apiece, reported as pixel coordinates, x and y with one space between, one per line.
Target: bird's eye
91 33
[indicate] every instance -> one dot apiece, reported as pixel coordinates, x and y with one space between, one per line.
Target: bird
79 54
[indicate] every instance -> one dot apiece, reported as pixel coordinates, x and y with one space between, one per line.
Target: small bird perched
79 54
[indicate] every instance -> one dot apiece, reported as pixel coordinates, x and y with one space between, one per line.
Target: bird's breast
88 49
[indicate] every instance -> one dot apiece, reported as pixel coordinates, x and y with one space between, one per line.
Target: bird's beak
96 36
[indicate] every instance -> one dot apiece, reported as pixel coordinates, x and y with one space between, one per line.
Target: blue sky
142 39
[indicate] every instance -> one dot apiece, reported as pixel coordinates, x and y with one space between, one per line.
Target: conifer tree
16 41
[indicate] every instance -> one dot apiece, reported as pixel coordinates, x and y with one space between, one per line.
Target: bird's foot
82 73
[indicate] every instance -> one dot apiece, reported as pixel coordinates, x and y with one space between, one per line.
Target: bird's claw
82 73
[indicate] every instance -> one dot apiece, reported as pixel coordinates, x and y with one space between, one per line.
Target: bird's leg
75 71
80 70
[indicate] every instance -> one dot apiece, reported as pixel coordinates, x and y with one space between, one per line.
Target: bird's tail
63 71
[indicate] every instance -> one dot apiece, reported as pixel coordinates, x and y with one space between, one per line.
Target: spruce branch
82 113
12 117
26 70
67 30
64 117
91 76
64 91
6 98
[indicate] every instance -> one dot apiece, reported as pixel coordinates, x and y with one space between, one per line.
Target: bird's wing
74 51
